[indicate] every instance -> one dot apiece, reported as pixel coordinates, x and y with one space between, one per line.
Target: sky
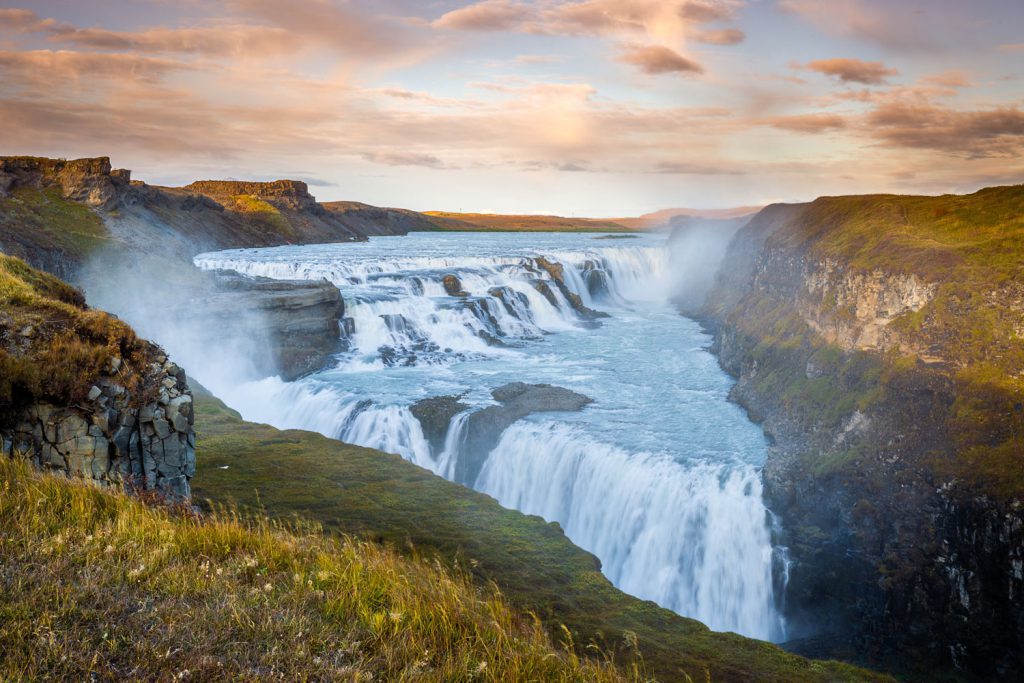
598 108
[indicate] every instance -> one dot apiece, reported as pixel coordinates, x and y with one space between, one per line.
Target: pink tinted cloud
655 59
853 70
808 123
977 134
725 36
490 15
956 78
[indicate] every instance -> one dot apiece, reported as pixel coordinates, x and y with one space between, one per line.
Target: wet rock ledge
485 426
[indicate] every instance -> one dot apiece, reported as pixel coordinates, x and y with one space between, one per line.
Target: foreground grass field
98 586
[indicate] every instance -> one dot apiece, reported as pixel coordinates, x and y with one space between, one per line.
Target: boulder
517 400
453 286
435 416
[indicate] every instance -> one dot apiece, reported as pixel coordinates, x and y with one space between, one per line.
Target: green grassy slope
52 346
41 223
382 497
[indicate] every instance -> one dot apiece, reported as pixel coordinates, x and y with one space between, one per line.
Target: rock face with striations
148 235
299 319
91 181
112 439
81 394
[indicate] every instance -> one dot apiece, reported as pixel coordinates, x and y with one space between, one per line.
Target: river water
659 477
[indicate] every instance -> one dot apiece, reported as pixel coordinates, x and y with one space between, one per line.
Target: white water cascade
692 539
659 477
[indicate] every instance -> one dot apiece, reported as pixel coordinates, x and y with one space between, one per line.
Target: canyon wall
882 352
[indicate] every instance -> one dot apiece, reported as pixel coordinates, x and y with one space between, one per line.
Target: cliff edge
82 395
880 340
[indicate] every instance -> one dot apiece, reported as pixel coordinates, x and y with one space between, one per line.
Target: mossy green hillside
971 248
383 498
34 219
265 214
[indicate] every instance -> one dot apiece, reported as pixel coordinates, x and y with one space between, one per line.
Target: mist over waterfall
659 477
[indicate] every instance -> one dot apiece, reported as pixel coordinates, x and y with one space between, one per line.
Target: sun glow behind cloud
600 107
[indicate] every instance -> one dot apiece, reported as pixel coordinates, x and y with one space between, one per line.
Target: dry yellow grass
98 585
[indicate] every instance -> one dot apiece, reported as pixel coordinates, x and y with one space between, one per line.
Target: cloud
405 159
808 123
694 168
726 36
666 21
27 21
490 15
974 134
708 11
538 59
304 23
853 70
222 41
655 59
54 68
341 27
949 79
890 25
650 33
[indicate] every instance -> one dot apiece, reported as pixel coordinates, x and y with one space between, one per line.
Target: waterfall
402 315
664 488
689 537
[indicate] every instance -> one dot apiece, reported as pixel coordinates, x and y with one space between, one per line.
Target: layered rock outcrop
556 273
300 320
484 427
82 394
113 438
91 181
148 235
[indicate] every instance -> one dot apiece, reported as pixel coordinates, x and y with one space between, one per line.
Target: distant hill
492 222
665 216
487 222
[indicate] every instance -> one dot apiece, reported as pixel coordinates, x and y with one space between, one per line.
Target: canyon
876 341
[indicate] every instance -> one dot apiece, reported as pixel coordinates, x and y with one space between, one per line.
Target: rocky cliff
298 319
878 340
92 226
81 394
96 206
